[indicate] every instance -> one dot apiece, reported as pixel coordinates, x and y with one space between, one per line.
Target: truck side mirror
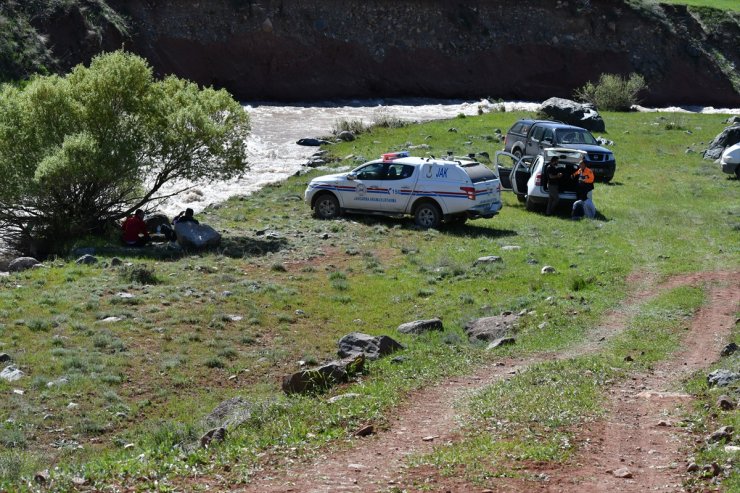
351 176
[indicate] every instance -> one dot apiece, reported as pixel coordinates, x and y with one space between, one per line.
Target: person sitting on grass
135 232
185 217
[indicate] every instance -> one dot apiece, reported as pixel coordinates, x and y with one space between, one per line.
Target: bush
80 152
344 125
612 92
139 274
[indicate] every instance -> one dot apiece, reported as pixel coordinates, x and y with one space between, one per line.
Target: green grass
534 416
149 378
716 4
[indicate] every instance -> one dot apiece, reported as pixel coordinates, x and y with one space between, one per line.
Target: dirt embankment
319 49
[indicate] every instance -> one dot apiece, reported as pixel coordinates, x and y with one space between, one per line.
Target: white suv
528 175
432 190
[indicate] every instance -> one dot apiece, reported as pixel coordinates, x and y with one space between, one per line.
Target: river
274 155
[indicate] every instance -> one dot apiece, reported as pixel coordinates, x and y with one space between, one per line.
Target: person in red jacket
134 228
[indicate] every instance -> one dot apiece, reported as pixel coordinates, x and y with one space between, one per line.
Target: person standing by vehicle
135 232
585 178
554 175
584 206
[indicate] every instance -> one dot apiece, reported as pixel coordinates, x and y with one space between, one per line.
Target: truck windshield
574 136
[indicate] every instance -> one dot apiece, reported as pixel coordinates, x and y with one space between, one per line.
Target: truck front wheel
326 207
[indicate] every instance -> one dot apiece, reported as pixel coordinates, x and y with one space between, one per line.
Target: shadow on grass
231 246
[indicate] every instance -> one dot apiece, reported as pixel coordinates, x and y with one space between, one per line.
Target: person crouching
135 232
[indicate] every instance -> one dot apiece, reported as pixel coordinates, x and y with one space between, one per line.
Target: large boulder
196 236
728 137
357 343
491 328
722 378
323 377
22 263
573 113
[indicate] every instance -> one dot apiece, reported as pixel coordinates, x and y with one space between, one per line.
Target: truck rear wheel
428 215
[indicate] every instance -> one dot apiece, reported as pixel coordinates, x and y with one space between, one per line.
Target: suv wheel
517 153
326 207
428 215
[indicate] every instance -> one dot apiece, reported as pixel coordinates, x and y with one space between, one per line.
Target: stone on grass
724 433
421 326
87 259
214 435
548 269
365 431
722 378
372 347
729 349
231 413
116 262
488 260
491 328
323 377
196 236
342 397
725 403
503 341
155 221
727 138
11 373
510 248
4 357
22 263
346 136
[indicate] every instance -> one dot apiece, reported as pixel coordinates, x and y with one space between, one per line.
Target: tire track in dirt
428 419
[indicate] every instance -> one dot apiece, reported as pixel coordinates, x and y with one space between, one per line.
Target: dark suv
531 137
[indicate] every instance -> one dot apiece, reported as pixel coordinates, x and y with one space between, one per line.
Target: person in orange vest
135 232
584 205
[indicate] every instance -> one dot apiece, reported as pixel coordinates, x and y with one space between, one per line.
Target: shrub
75 150
612 92
139 274
354 126
385 119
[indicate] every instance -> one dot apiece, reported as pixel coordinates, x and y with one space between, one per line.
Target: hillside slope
319 49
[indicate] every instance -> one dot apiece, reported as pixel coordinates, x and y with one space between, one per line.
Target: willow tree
79 151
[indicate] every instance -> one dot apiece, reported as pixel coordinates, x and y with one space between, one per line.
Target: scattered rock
503 341
346 136
214 435
488 260
41 477
310 142
124 296
365 431
421 326
116 262
358 343
712 469
622 473
11 373
429 438
110 320
692 467
5 357
491 328
722 378
510 248
573 113
322 377
732 449
724 433
72 406
629 358
58 382
733 120
230 413
341 397
87 259
196 236
22 263
725 403
729 349
548 269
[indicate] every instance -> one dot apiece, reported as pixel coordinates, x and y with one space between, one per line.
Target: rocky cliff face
319 49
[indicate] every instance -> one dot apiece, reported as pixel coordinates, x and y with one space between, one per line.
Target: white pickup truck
431 190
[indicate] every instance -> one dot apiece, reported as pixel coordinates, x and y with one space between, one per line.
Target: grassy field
717 4
121 401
